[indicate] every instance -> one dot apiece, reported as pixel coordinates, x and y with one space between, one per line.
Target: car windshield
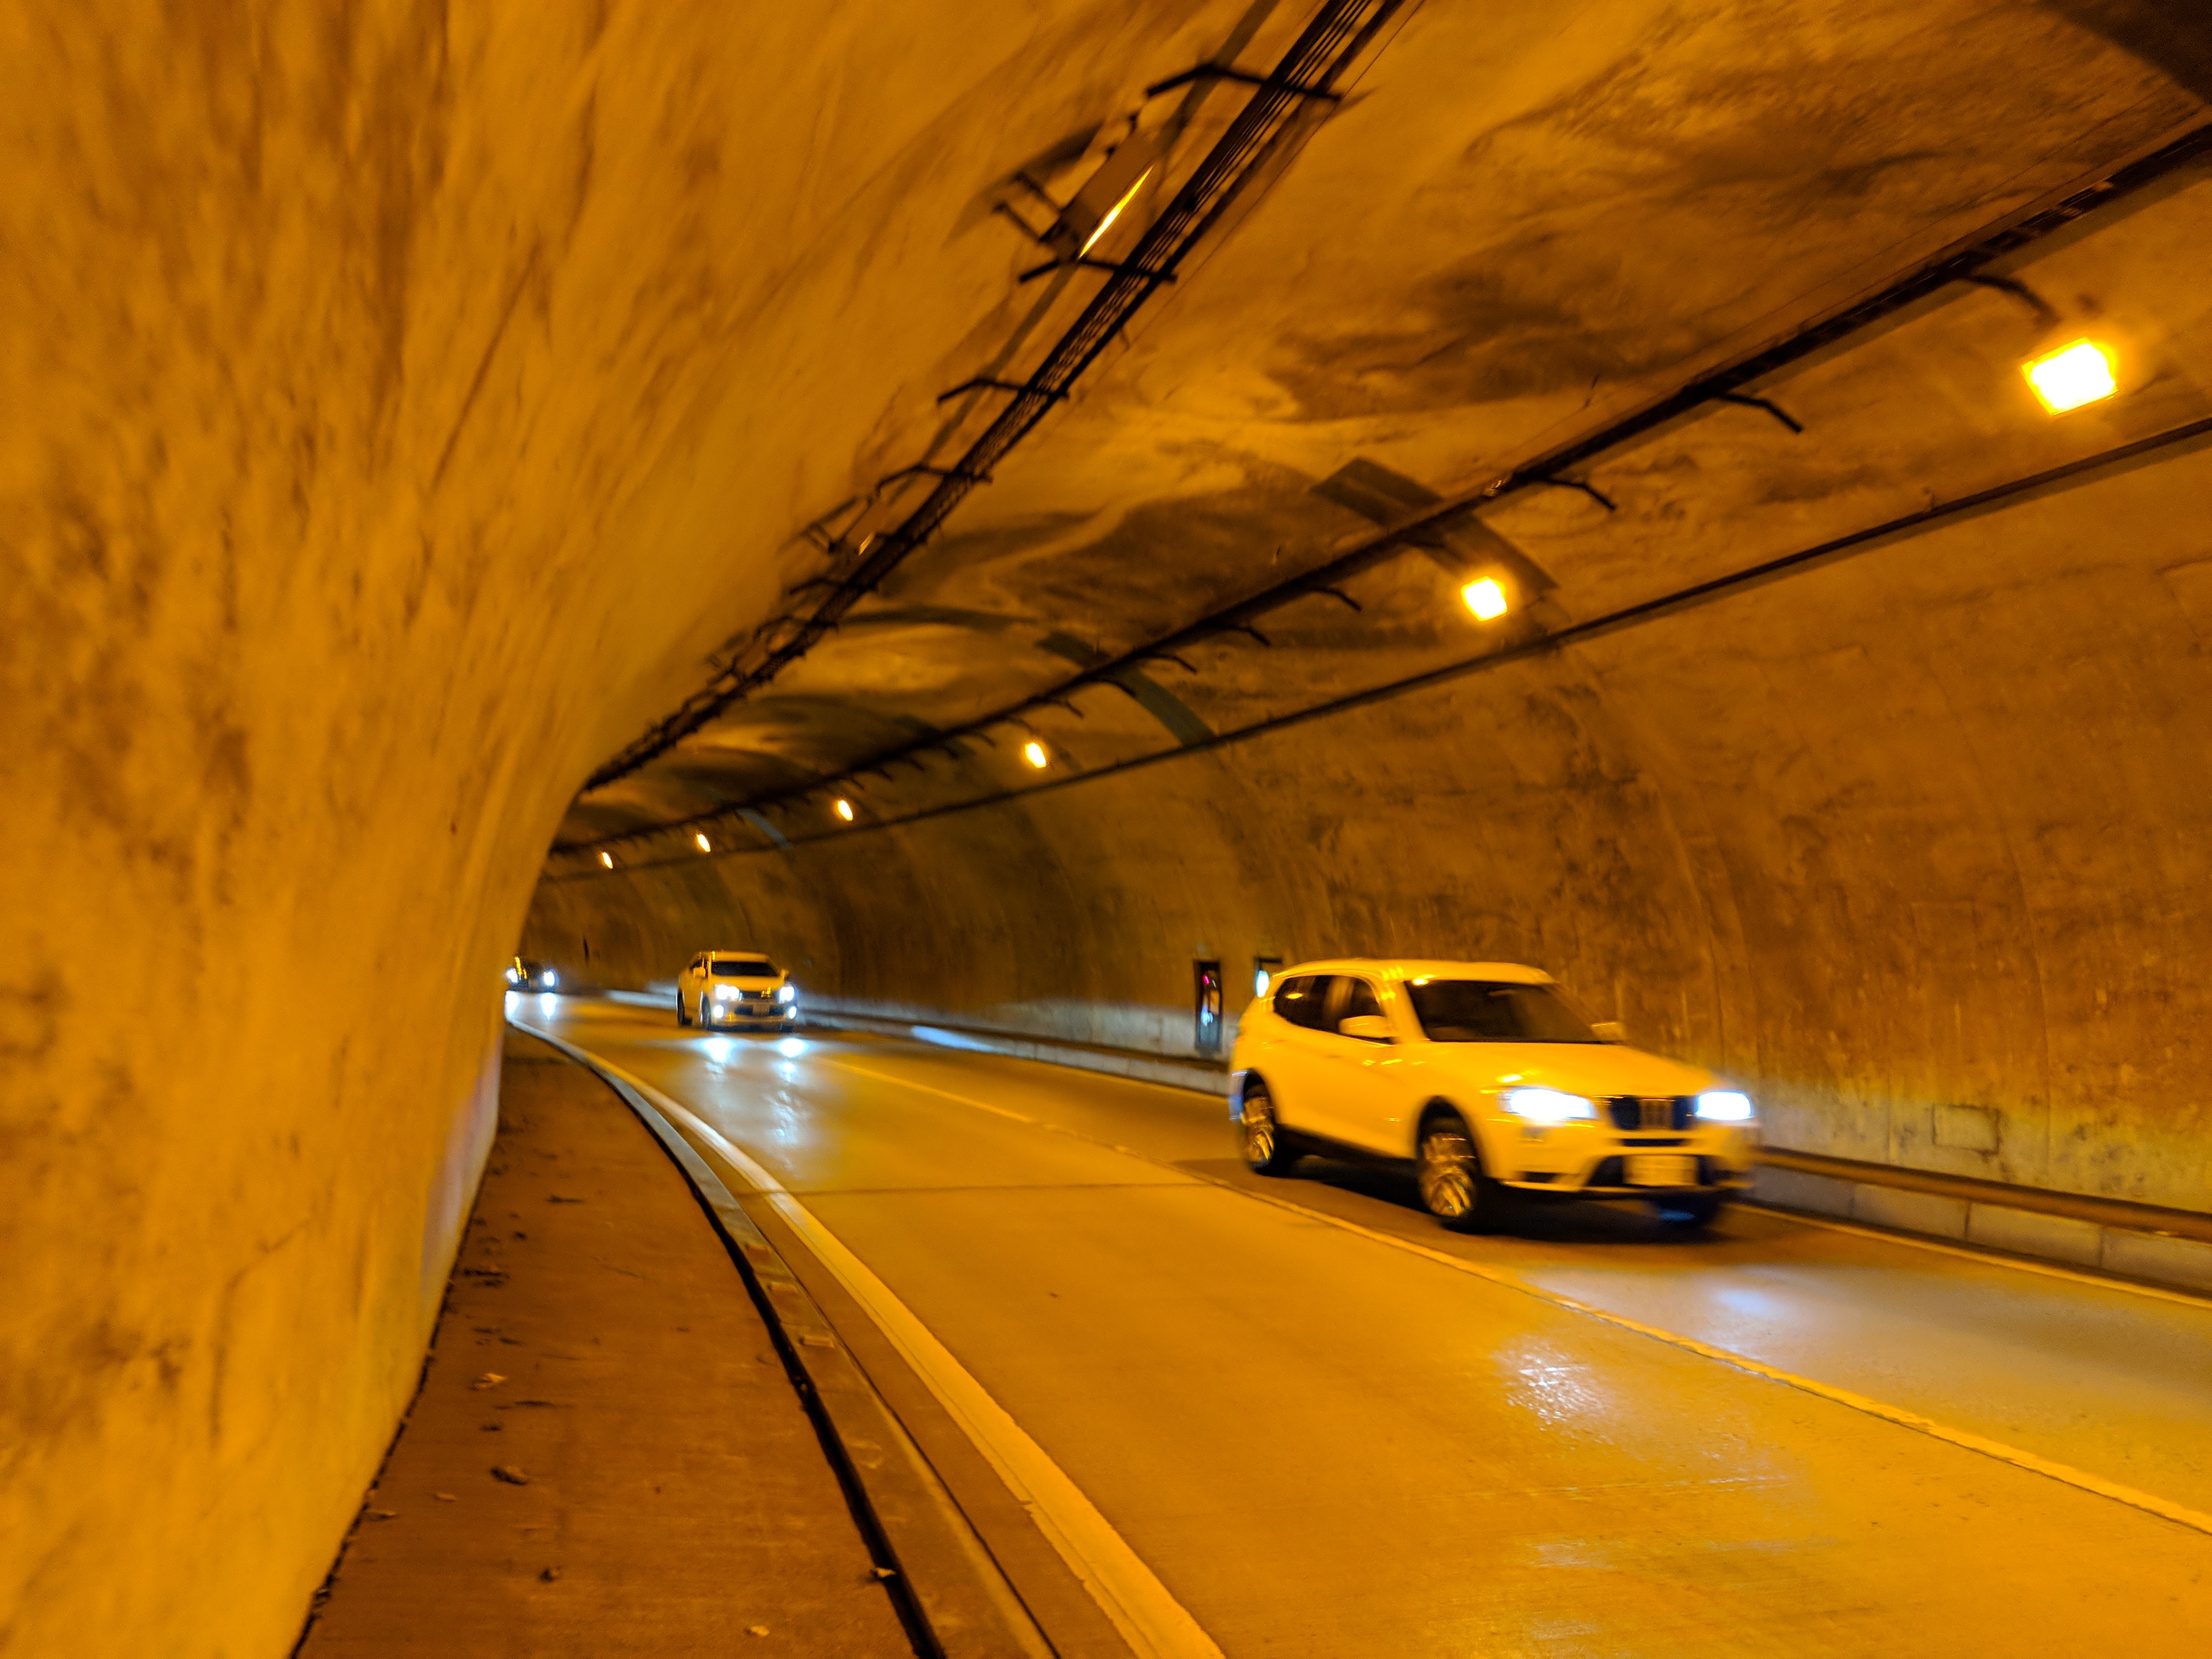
759 969
1488 1010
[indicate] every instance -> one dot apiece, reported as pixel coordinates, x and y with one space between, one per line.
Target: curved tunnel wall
1914 843
388 388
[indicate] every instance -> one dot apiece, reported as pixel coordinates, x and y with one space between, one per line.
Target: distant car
741 990
525 974
1484 1078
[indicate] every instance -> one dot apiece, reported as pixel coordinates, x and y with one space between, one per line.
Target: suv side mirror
1609 1030
1367 1028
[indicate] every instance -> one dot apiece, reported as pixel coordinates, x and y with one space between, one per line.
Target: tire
1266 1149
1447 1170
683 1015
1692 1212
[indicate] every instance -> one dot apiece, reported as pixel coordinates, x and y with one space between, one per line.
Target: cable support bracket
1242 77
1748 401
1084 260
1589 489
986 383
1339 593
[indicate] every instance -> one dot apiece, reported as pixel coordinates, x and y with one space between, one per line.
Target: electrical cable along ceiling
1223 556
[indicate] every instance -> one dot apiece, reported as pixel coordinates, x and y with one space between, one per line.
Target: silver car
736 990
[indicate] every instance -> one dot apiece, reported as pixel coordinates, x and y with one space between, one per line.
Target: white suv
738 990
1486 1077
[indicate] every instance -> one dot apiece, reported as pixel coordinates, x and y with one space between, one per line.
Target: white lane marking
2080 1478
1151 1621
1968 1253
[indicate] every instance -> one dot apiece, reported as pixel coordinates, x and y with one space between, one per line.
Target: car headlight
1547 1105
552 978
1725 1106
787 993
723 993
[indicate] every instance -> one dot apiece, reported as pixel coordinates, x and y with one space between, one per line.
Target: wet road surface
1329 1427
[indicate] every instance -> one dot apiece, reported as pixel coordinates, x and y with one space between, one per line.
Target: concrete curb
2157 1257
955 1601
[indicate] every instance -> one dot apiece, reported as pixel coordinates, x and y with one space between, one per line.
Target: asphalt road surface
1329 1427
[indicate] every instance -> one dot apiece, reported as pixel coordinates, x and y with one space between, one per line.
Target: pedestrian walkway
608 1456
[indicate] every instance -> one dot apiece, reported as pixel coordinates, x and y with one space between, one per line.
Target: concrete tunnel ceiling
415 406
1506 231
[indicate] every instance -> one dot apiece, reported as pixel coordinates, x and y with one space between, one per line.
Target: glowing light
1725 1106
1033 752
1484 598
705 846
1547 1105
551 978
843 809
1114 212
2073 375
1260 981
608 860
787 993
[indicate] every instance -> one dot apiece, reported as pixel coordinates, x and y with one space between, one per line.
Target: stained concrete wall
361 363
1914 845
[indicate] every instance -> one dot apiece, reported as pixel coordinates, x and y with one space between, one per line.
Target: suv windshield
744 970
1484 1011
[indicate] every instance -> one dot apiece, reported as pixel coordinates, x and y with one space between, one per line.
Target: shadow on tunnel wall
1915 845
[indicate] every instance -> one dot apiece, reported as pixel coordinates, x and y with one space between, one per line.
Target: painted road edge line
1967 1440
2082 1480
1149 1617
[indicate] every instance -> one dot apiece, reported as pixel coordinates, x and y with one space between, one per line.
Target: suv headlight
1547 1105
1725 1106
551 978
723 993
787 993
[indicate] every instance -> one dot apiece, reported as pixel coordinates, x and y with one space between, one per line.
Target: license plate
1663 1170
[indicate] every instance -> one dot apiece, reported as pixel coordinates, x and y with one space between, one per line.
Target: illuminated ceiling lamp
842 808
1106 195
1034 753
2078 373
608 860
705 846
1486 596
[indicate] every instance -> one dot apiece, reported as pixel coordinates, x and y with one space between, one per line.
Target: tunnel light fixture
1114 212
607 860
705 846
843 809
1033 752
1485 598
2078 373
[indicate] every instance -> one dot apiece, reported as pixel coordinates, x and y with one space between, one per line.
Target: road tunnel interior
600 486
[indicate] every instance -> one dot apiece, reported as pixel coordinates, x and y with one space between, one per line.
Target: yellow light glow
1114 212
705 846
844 809
2073 375
1486 599
1033 752
607 859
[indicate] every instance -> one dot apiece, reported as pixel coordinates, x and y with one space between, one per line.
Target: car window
1301 1000
1359 998
1484 1011
745 971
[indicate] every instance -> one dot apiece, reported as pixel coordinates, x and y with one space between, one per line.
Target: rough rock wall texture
1914 844
361 363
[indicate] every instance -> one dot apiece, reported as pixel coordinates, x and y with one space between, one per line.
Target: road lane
1322 1444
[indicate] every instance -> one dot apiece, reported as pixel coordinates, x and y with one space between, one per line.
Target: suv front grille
1645 1112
